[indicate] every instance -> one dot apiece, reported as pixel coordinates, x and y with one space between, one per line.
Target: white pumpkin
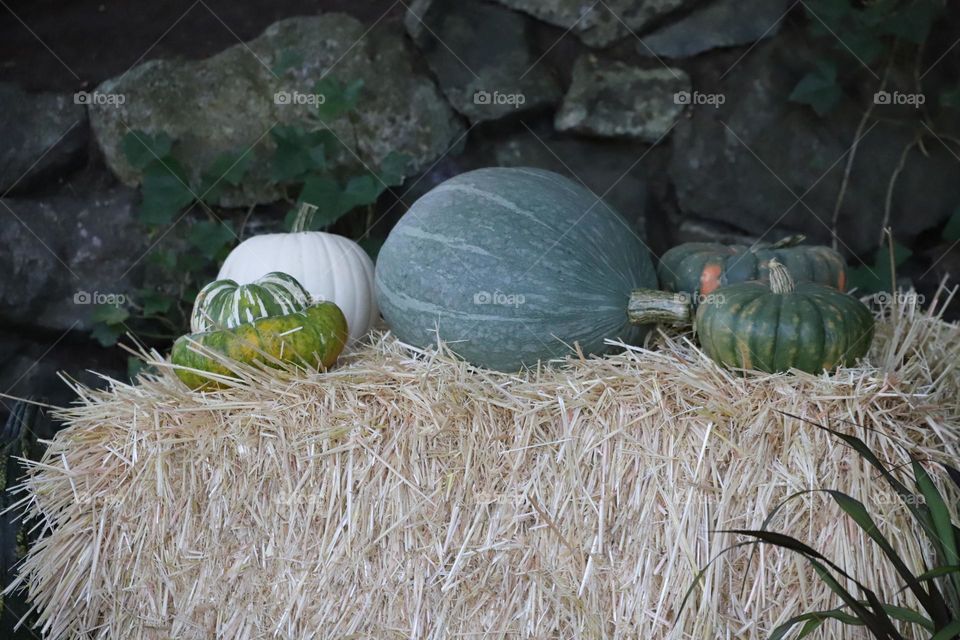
329 266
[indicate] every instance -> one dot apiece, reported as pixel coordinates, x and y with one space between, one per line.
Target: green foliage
819 88
935 584
879 276
860 33
191 238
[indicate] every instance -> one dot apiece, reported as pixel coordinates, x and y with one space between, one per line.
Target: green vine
189 234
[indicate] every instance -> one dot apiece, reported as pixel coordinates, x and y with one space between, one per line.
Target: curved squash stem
780 280
650 306
304 217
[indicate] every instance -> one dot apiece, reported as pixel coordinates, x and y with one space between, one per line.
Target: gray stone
746 162
55 250
227 103
42 134
722 23
618 170
480 56
599 23
611 99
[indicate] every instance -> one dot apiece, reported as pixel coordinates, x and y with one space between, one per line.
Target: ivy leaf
164 259
226 169
134 367
362 190
865 45
287 59
393 168
950 98
912 22
165 192
325 192
338 99
879 275
210 237
819 89
298 152
109 325
141 148
154 302
106 334
111 314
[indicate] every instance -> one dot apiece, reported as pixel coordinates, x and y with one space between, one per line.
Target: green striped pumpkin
783 325
699 268
310 338
224 304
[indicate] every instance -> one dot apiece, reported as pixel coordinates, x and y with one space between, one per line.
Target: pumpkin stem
304 217
789 241
780 280
650 306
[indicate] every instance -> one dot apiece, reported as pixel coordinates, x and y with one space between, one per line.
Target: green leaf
859 514
107 334
211 237
141 148
299 152
950 98
165 259
110 314
362 190
879 275
944 539
325 192
912 22
134 367
949 632
165 192
819 89
337 99
287 59
393 168
154 302
226 169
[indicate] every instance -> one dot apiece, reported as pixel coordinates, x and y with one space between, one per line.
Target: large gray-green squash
511 266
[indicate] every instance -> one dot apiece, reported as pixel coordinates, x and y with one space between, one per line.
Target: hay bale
408 495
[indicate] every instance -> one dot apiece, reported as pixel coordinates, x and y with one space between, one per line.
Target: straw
406 494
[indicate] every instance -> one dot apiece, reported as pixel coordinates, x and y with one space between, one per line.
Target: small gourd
784 325
312 338
224 304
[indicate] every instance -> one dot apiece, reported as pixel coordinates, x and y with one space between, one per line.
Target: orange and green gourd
784 325
312 338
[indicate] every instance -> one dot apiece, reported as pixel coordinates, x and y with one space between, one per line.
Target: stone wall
678 112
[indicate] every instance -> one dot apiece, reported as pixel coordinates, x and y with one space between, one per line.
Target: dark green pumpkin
783 325
699 268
